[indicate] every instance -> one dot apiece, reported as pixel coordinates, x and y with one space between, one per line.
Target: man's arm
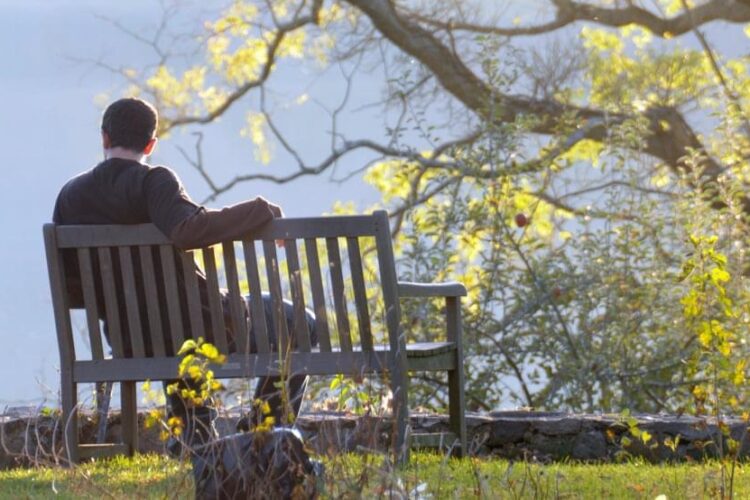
206 227
189 225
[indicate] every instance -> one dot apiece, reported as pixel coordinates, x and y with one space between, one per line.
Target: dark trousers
198 418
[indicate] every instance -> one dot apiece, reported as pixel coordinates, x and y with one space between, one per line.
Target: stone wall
28 439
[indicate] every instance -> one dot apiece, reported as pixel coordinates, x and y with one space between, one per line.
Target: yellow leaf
719 275
660 180
188 345
705 336
208 350
645 437
255 129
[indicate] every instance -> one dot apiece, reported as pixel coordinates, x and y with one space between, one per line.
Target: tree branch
670 137
569 12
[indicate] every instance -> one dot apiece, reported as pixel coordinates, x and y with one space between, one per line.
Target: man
123 189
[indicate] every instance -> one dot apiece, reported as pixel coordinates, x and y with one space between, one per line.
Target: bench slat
135 331
193 295
240 365
214 301
79 236
176 328
339 294
112 310
298 298
319 302
152 301
277 304
316 227
90 303
360 294
257 313
236 302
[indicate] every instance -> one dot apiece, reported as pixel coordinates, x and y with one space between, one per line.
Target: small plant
633 433
194 370
197 385
718 365
354 395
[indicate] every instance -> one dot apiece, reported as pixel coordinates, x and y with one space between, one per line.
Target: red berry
521 220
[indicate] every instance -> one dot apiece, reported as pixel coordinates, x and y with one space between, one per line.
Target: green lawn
428 476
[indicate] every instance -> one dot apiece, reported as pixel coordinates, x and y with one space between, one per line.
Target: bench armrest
451 289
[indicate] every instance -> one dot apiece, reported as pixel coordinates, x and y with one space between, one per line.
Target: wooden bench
109 258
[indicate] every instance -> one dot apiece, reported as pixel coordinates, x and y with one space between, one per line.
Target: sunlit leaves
586 150
293 45
197 384
236 19
712 313
245 62
242 46
255 130
632 78
168 88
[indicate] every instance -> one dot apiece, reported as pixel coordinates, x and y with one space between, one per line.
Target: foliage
196 386
351 395
560 180
719 364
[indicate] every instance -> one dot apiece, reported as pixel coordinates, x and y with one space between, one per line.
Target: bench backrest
149 294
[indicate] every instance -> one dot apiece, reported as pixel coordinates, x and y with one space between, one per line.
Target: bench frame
396 357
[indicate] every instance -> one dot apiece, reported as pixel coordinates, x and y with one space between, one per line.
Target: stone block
506 430
590 445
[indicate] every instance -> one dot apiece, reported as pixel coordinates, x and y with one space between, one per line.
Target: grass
428 476
144 476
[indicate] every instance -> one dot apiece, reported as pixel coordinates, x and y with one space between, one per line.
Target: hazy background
49 131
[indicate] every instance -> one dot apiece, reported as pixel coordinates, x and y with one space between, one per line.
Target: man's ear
106 142
150 147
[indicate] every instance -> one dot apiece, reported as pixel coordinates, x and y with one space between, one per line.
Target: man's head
130 123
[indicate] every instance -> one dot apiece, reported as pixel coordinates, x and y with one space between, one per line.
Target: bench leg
103 398
129 416
400 389
456 399
69 416
456 407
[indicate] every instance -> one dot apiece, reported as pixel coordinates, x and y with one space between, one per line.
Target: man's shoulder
158 175
160 170
76 182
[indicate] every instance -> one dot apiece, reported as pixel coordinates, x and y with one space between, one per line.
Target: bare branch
623 184
197 163
568 12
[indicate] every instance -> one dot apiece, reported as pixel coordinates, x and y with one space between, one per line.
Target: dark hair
130 123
